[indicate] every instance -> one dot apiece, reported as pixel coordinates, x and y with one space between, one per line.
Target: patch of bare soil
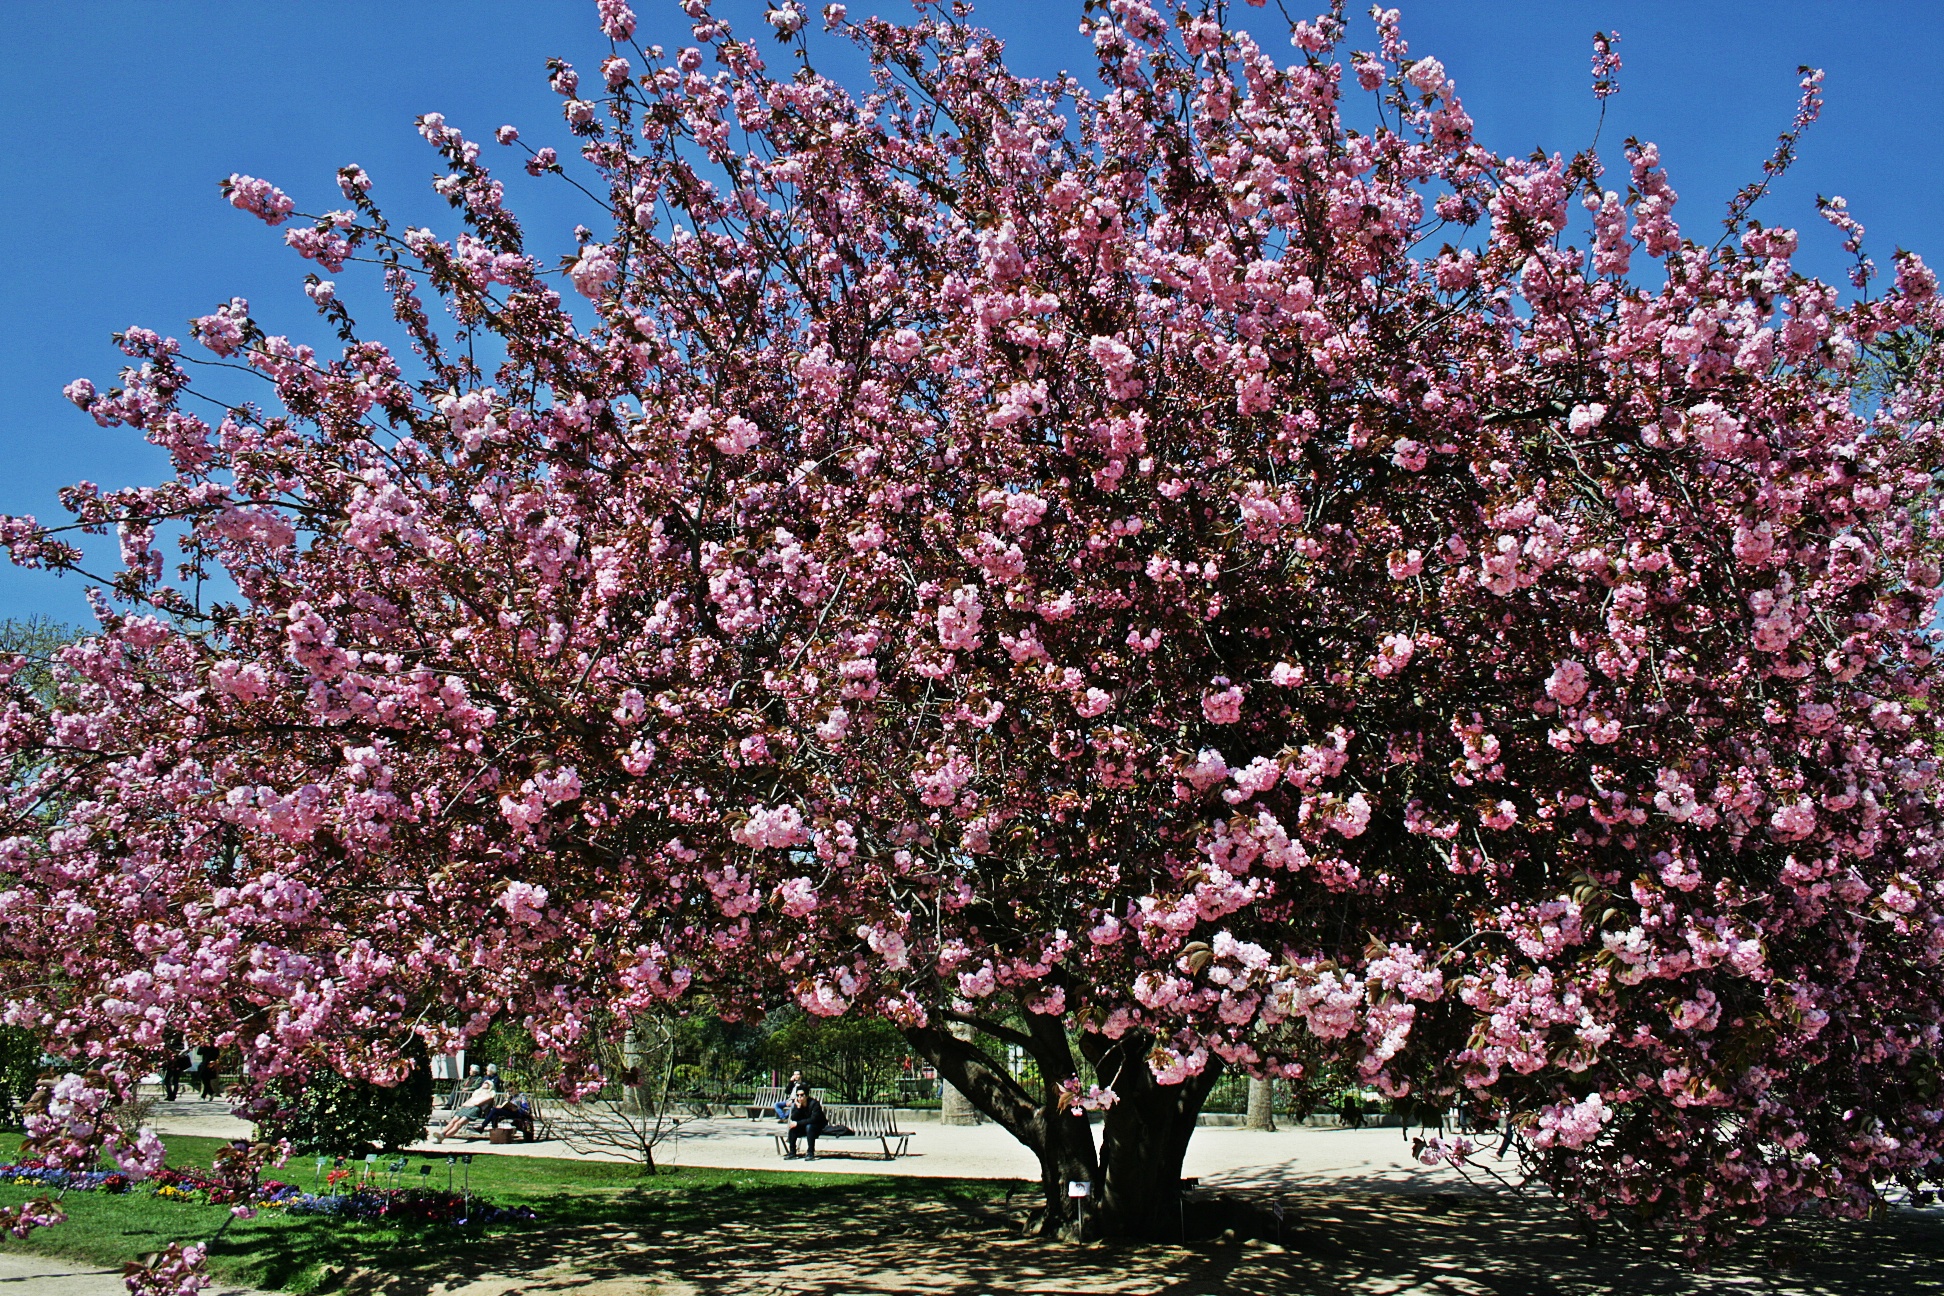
1348 1244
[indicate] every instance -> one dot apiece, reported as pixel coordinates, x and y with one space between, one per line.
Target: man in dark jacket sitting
806 1121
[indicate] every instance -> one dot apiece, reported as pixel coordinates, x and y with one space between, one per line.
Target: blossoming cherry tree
1149 574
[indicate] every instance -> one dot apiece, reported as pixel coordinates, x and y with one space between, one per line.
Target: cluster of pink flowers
1606 64
1572 1125
1125 576
70 1125
178 1271
37 1213
260 198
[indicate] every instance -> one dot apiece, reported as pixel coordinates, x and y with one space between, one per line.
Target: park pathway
31 1275
1290 1159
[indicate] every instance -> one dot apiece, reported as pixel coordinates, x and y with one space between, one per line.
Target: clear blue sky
124 114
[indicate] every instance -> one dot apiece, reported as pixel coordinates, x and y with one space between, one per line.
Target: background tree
639 1108
1150 575
715 1058
332 1115
857 1058
20 1071
35 640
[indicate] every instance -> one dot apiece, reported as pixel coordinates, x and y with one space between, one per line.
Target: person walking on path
210 1073
172 1068
202 1070
806 1122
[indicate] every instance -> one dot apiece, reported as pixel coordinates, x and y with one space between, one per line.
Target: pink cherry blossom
773 828
1222 705
593 270
1572 1125
1568 683
260 198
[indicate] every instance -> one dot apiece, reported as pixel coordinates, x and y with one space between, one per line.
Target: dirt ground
1435 1244
1357 1218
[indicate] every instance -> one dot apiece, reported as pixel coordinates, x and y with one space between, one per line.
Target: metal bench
880 1123
765 1100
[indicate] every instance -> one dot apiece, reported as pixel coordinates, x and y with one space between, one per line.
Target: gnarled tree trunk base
1133 1175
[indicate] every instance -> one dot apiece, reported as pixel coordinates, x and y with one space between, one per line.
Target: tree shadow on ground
836 1242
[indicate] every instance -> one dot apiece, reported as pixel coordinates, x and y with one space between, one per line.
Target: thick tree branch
987 1086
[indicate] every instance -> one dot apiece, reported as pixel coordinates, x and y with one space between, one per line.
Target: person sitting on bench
806 1121
789 1095
475 1108
516 1111
463 1086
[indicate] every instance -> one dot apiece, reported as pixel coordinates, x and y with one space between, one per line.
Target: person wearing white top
476 1106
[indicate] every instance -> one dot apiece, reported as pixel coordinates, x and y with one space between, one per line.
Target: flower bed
35 1174
197 1186
393 1205
405 1206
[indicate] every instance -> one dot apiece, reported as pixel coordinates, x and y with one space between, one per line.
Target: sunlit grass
295 1253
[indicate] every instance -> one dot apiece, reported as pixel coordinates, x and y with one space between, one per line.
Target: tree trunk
1144 1137
1135 1174
634 1097
1262 1104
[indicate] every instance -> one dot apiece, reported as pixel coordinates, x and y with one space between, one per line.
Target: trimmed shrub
330 1115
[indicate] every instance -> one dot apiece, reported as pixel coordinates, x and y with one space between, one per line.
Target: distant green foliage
329 1115
714 1056
20 1067
858 1059
855 1058
36 638
1893 360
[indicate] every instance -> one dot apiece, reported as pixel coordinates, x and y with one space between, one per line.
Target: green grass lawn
298 1253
